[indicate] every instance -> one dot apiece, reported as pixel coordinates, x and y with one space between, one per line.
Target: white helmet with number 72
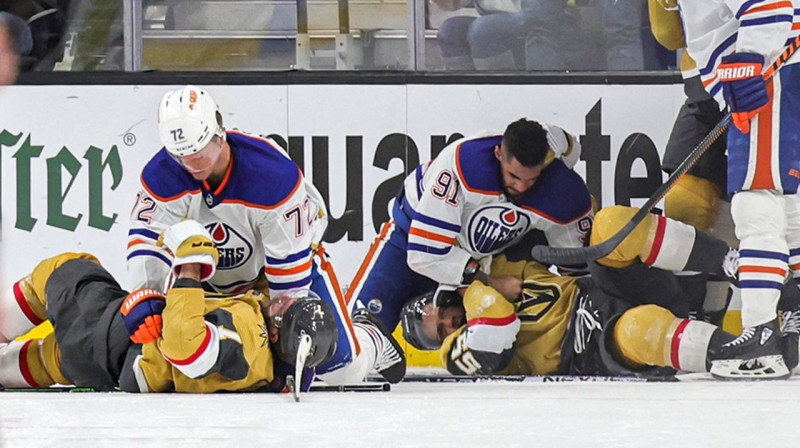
188 119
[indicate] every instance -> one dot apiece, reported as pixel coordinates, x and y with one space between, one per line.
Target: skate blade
772 368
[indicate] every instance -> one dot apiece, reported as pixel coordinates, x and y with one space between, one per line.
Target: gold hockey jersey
209 343
501 337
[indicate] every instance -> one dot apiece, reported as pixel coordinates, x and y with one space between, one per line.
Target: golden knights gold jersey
513 338
209 343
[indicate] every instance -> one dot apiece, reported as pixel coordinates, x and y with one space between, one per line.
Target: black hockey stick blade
361 387
537 379
578 255
315 387
51 389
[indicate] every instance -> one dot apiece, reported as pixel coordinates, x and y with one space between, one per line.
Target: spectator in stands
98 45
511 34
622 33
18 32
12 42
37 28
554 40
486 42
8 59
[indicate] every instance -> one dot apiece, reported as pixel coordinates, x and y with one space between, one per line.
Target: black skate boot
391 361
757 354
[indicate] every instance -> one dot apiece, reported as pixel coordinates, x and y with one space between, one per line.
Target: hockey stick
578 255
315 387
537 379
361 387
294 382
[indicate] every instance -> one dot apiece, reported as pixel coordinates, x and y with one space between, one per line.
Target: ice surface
507 414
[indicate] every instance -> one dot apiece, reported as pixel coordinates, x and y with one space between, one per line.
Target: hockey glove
562 146
743 86
141 311
190 242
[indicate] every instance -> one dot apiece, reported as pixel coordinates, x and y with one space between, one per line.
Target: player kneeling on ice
622 320
185 341
265 217
478 197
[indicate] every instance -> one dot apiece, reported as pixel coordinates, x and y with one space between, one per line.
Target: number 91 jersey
460 198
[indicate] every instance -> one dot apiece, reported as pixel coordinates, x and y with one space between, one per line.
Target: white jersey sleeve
716 28
437 223
764 26
287 233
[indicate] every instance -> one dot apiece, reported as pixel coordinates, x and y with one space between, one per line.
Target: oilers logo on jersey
494 227
234 249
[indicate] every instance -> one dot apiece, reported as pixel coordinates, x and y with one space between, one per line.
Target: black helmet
307 315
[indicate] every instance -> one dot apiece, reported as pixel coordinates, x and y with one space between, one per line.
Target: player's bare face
209 160
517 178
439 325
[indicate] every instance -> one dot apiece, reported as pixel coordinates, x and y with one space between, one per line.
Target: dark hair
526 140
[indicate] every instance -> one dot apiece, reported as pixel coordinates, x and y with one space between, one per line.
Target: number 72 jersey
264 218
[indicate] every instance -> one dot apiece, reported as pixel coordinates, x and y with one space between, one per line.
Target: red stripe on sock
657 241
676 343
494 321
23 365
23 305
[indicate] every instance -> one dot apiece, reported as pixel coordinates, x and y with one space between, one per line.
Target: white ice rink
689 414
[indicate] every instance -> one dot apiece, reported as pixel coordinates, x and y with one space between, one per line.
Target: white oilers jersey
263 217
717 28
459 198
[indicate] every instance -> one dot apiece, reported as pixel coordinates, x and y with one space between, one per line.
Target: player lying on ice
185 341
621 320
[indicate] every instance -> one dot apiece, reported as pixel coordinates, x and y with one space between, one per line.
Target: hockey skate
391 362
755 355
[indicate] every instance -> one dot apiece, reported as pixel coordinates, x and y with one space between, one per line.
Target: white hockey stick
295 382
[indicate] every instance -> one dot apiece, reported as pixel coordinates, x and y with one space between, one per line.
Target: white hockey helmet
187 120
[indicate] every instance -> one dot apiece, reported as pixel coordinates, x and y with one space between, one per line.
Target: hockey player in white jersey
479 196
734 43
266 220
